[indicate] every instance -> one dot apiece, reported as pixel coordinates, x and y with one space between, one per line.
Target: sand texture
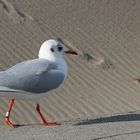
107 128
101 79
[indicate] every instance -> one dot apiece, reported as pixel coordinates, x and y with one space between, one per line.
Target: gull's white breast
62 66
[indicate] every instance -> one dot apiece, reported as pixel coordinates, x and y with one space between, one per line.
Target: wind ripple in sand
14 13
88 56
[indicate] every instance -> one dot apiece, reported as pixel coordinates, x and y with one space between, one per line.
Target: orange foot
8 122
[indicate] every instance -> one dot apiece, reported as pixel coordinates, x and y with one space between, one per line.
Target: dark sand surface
108 128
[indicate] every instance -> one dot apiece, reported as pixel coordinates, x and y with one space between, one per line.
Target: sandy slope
101 79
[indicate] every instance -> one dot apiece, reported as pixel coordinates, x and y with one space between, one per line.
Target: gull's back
35 76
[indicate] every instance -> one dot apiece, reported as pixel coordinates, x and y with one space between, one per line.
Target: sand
101 80
107 128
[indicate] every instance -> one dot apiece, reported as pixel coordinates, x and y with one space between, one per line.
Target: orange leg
7 116
44 122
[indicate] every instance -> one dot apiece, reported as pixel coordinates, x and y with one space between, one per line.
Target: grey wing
24 76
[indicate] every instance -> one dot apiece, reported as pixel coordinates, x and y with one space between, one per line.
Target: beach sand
101 79
107 128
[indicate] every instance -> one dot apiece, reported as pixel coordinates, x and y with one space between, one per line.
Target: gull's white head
53 49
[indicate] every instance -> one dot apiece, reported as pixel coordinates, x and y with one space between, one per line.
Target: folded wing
28 76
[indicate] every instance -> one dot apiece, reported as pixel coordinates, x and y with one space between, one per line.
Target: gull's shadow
22 125
32 125
117 118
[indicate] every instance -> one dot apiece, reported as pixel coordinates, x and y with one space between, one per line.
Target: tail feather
6 89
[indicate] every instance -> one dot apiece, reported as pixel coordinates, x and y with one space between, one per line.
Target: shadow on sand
22 125
117 118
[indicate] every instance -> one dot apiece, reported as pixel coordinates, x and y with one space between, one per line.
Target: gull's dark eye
60 48
52 49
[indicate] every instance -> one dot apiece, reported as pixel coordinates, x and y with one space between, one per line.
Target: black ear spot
52 50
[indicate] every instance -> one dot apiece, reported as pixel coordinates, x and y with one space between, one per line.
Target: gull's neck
59 61
61 64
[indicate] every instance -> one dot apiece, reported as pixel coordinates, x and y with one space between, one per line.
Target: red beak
71 52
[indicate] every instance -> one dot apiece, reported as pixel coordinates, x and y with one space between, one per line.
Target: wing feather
25 74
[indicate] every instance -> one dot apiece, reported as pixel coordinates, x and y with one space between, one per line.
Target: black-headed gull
36 77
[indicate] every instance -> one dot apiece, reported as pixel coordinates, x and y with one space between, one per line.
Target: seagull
36 77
